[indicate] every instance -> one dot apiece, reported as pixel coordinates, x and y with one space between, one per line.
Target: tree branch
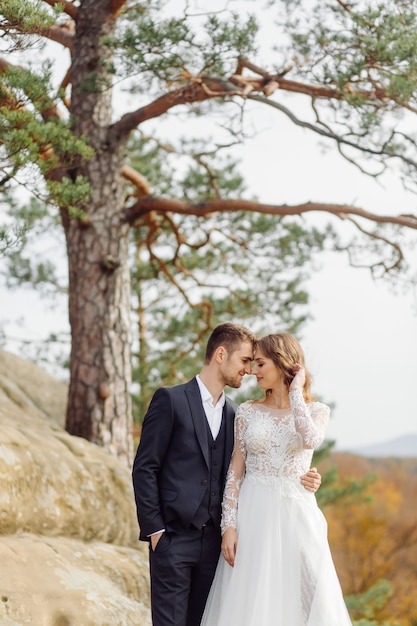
204 87
387 267
117 6
192 92
60 33
162 205
326 133
315 91
68 7
201 88
138 180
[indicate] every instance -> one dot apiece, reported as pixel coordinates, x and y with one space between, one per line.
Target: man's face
235 365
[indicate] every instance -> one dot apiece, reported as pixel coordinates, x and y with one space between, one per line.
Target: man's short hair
230 336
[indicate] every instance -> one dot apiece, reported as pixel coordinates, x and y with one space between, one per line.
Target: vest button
204 482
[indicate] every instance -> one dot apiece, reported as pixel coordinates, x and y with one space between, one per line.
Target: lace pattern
273 447
308 419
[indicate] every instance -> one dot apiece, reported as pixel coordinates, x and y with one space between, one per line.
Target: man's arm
312 480
154 442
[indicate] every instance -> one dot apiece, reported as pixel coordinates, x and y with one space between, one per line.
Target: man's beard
233 381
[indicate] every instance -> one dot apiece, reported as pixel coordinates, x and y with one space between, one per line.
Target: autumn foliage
374 536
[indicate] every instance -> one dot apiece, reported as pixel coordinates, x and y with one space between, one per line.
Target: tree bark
99 405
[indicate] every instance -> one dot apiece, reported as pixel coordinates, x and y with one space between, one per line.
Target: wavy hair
285 351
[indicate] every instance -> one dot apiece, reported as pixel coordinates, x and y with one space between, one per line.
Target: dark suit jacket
171 468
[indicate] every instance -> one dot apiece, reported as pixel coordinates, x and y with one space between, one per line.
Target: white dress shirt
213 412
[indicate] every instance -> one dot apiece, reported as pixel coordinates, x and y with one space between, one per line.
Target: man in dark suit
179 474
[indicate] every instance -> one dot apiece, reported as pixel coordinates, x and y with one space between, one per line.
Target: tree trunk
99 403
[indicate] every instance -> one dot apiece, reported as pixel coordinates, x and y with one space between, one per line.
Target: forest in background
373 534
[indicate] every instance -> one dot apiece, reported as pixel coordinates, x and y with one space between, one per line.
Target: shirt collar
206 395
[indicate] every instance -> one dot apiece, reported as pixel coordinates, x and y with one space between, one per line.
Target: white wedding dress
283 573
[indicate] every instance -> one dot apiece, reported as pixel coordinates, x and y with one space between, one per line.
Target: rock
69 553
31 388
59 581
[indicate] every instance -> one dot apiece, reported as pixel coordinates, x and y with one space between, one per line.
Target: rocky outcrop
69 553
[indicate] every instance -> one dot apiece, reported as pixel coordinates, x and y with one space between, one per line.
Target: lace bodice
272 445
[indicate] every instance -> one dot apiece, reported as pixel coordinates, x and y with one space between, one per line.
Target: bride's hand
229 545
299 377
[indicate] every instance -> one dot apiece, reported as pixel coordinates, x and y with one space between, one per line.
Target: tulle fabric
284 573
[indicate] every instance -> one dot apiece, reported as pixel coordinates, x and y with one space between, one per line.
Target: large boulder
69 553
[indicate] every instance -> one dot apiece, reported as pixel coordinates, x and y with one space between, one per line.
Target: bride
276 568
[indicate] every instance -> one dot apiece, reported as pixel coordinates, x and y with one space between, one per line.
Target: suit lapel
198 416
229 418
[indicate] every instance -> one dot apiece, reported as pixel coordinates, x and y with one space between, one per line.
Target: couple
275 568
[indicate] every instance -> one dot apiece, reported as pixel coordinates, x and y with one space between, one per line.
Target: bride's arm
309 424
235 475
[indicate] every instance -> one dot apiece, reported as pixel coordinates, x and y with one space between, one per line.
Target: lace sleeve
310 421
235 474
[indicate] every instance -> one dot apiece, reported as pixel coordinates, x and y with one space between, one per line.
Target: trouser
182 569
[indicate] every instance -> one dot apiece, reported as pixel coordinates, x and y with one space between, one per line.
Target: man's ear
220 354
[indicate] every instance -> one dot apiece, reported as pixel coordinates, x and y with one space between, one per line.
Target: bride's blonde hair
285 351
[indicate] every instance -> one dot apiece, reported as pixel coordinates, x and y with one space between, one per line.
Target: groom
179 474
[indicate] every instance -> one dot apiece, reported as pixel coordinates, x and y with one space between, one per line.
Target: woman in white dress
276 568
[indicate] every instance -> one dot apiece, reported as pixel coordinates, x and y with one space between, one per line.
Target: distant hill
402 447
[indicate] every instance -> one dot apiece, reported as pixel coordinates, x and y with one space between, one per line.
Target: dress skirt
283 573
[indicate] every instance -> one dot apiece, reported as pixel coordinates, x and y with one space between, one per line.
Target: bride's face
266 372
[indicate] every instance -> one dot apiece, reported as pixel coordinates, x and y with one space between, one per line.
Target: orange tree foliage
375 538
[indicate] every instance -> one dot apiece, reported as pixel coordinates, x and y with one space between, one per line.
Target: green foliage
225 40
227 267
154 45
35 141
373 43
25 269
9 238
192 273
71 194
333 490
363 607
28 140
371 47
193 169
23 265
20 19
169 49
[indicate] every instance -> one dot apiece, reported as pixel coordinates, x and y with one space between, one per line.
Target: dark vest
210 506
